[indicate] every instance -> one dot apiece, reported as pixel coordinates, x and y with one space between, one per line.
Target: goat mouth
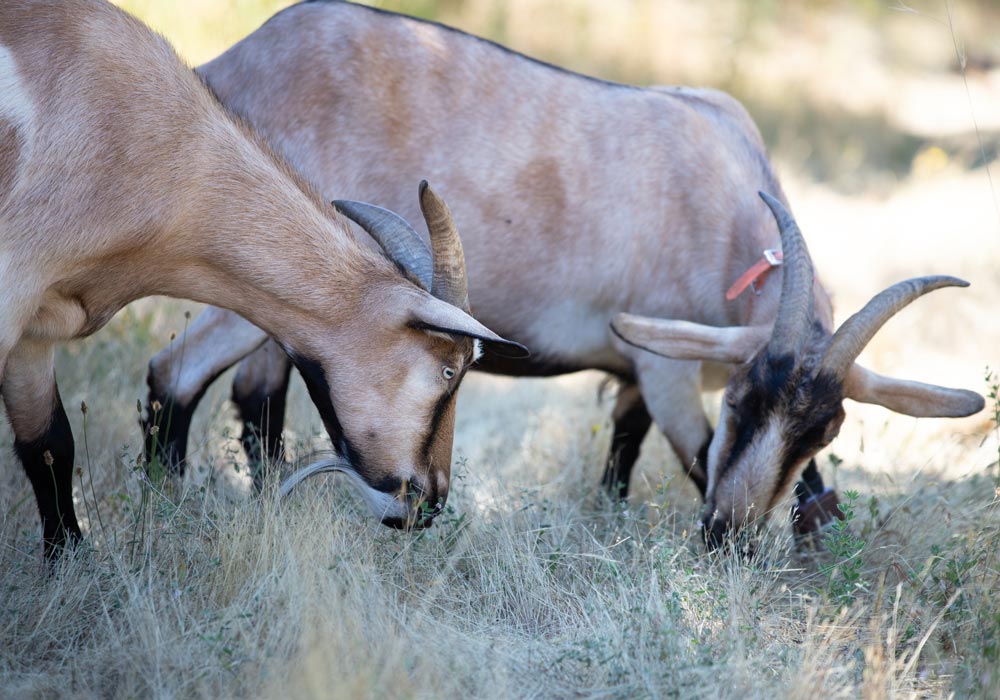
421 518
421 523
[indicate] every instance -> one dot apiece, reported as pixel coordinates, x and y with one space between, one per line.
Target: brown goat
121 176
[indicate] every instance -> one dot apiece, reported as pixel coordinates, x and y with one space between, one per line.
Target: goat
121 177
783 400
623 200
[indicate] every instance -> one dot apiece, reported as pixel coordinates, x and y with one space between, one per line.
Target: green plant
843 575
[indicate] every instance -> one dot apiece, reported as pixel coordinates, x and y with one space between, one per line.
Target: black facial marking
387 484
767 380
48 462
319 391
439 410
810 405
442 406
821 398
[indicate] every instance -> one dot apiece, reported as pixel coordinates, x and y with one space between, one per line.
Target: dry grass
532 585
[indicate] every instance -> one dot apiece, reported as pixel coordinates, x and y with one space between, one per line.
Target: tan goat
579 199
121 177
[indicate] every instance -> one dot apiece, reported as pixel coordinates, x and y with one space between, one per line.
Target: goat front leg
180 374
43 439
817 506
631 423
259 392
671 390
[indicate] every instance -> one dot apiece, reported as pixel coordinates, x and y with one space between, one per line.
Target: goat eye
448 372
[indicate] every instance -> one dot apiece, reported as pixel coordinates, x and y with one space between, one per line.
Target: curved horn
398 239
450 282
795 307
855 333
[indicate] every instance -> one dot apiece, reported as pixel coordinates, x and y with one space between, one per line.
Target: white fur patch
747 490
16 105
477 349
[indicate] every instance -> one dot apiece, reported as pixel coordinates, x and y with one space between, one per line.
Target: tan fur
137 182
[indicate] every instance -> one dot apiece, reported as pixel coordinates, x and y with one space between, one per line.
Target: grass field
532 585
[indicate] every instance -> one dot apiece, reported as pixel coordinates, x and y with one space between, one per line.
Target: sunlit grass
531 584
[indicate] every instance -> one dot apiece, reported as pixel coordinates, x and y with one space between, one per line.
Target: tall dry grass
532 585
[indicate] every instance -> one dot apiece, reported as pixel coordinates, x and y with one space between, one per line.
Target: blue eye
448 372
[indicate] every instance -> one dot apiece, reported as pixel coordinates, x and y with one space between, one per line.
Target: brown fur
137 182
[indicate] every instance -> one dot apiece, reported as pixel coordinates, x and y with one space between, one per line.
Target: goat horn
450 282
856 332
795 307
400 242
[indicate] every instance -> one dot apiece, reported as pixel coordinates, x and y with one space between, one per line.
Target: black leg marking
811 483
817 506
48 462
167 423
165 431
632 422
263 418
699 471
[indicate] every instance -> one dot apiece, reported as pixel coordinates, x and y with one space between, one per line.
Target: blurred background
883 120
860 94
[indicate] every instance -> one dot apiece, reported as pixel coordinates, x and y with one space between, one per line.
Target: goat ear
683 340
438 316
908 397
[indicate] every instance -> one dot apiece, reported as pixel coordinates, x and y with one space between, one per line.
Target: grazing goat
782 401
121 176
579 199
